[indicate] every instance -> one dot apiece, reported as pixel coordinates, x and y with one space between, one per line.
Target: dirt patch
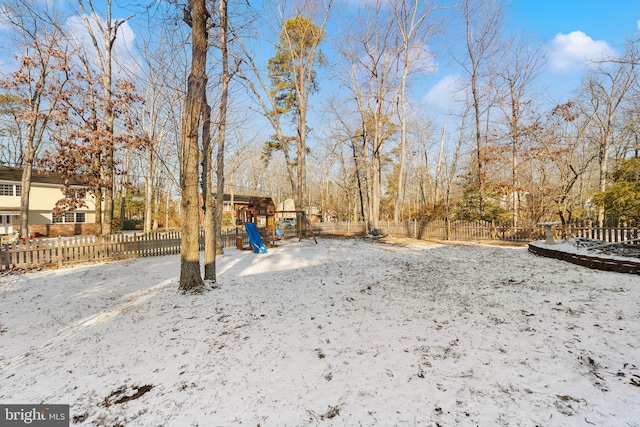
121 394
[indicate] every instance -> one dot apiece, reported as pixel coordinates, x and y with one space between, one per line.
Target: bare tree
414 31
163 68
221 134
482 25
521 64
370 54
558 160
453 169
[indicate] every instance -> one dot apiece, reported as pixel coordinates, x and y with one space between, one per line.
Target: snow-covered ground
346 332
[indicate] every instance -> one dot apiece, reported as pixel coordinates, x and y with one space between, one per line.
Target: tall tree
40 83
221 134
293 79
520 64
482 25
371 56
606 91
164 61
196 16
414 30
103 41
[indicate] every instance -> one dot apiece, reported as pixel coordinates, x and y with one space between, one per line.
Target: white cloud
576 50
124 54
638 24
422 58
447 93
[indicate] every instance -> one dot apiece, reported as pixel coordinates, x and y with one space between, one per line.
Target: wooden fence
483 231
606 234
463 231
63 251
439 230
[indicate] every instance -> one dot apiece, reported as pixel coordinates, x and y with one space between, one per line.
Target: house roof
237 198
42 177
264 205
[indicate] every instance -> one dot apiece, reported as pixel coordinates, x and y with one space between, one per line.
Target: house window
68 217
73 194
11 190
226 206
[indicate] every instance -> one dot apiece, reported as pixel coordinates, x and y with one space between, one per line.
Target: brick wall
64 230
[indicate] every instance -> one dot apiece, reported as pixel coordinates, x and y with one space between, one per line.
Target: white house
46 191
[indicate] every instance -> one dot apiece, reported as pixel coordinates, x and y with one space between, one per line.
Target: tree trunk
358 178
109 114
222 127
190 279
207 195
123 185
109 166
148 190
301 163
403 143
97 192
27 171
24 199
436 196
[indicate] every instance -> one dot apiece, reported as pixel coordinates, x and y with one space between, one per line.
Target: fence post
59 251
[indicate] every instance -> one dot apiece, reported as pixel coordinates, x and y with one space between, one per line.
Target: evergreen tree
621 201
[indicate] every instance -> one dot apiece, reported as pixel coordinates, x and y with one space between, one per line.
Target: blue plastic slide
254 238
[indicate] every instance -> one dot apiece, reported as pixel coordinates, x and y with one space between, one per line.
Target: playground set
258 218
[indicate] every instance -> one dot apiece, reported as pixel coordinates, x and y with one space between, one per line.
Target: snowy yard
346 332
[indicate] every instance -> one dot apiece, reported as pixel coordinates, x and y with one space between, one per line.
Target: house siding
45 192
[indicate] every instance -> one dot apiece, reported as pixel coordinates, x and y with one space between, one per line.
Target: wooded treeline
163 107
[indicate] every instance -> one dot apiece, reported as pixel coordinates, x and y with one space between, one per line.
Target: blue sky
576 29
571 34
613 21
